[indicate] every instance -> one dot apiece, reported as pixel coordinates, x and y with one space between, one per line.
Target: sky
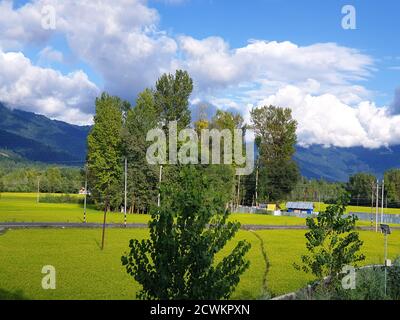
342 84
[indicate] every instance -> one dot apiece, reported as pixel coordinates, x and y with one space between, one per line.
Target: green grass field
86 272
23 207
322 206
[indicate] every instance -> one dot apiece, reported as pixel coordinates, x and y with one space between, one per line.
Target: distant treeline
361 187
26 177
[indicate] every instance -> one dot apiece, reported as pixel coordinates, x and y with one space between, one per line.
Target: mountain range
37 138
28 136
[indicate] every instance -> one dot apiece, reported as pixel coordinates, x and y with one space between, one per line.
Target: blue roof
300 205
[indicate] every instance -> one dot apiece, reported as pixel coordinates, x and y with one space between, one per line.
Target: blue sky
302 22
340 84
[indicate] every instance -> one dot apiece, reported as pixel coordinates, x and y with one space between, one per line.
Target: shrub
63 198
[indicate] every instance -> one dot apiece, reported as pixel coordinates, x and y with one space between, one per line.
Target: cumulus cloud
46 91
118 39
214 64
324 119
22 25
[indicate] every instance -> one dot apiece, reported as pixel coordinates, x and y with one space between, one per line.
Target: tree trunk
104 224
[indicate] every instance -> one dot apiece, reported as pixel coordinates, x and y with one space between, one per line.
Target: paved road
63 225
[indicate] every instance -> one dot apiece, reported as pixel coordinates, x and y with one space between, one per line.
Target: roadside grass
86 272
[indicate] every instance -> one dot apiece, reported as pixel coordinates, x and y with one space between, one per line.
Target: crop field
86 272
23 207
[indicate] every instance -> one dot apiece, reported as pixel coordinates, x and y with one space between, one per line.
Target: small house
300 207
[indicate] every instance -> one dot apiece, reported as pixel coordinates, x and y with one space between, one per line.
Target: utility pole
372 205
126 184
377 205
104 222
257 187
319 200
159 194
85 201
385 263
383 190
238 194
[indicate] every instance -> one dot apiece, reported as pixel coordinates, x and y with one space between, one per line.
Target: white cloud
119 40
48 55
46 91
324 119
20 26
213 63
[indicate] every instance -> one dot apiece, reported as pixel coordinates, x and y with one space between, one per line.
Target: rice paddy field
83 271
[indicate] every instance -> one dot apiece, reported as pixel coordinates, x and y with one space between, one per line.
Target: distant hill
36 138
337 164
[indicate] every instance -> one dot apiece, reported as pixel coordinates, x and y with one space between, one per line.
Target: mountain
337 164
37 138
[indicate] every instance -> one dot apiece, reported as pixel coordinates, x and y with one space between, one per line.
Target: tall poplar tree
275 131
143 177
105 155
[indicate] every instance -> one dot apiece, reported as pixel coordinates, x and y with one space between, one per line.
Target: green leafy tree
186 232
392 186
361 188
316 190
275 131
143 177
105 159
171 98
332 242
52 180
223 120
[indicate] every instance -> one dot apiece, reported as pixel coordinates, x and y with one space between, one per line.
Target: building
300 207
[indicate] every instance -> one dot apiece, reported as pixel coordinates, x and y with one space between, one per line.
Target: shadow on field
12 295
97 243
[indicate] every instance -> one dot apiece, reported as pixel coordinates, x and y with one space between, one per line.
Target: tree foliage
143 177
332 242
275 131
105 157
392 186
178 261
361 187
171 98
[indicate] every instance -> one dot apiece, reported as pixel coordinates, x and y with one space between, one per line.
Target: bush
63 198
394 280
369 286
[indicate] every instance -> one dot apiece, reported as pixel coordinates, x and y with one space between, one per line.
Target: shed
300 207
